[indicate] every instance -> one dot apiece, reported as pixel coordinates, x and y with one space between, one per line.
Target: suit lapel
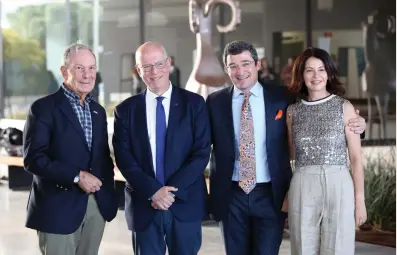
141 122
174 117
270 113
227 109
97 126
68 111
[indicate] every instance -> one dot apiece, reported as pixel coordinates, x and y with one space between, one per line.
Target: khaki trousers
86 239
321 211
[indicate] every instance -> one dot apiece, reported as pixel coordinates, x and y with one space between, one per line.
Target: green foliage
25 43
26 51
28 21
31 21
24 64
380 192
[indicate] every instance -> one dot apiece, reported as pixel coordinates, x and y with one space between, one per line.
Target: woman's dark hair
334 86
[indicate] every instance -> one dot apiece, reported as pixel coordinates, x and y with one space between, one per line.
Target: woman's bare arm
354 148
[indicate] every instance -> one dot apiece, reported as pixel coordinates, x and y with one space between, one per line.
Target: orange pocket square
279 115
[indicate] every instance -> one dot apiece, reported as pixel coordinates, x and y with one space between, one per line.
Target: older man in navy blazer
66 149
162 147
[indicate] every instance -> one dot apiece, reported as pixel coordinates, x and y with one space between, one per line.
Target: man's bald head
148 47
153 66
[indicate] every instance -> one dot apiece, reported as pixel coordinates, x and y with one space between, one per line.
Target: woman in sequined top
325 202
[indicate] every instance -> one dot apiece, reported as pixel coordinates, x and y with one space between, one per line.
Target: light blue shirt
258 114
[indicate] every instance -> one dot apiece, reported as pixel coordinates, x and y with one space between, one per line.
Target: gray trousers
86 239
321 211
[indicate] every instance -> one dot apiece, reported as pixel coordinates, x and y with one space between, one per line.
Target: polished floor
15 239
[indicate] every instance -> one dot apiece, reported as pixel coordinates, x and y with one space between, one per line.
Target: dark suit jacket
186 157
223 140
55 150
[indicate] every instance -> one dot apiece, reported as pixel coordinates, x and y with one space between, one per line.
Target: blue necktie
161 130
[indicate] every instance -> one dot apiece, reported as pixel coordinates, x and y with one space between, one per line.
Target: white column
95 30
67 20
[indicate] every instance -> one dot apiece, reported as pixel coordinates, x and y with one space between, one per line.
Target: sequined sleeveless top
319 132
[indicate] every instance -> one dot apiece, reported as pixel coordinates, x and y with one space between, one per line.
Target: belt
260 184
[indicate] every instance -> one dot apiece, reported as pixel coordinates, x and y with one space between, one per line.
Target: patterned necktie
161 131
247 170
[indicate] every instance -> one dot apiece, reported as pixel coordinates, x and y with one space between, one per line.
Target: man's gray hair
73 49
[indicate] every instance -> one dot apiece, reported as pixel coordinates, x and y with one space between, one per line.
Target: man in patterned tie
250 163
162 146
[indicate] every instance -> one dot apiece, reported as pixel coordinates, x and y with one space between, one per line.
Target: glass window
33 41
119 38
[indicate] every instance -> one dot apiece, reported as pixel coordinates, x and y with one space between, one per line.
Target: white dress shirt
151 104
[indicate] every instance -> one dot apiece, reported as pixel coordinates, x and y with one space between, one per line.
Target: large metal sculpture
380 73
207 70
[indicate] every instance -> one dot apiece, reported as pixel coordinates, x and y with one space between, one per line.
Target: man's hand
360 212
163 198
89 183
357 125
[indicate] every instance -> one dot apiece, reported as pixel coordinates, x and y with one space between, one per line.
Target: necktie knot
246 95
160 99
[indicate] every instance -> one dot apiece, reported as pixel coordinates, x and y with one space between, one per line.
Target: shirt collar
166 94
71 95
256 90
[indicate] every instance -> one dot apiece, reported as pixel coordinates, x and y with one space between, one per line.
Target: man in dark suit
162 147
66 149
175 74
250 163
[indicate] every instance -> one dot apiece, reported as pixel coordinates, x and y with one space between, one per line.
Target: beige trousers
321 211
86 239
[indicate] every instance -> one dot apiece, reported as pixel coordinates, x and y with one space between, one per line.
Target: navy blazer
186 157
223 140
55 151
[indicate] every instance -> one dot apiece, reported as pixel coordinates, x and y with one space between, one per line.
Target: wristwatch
76 179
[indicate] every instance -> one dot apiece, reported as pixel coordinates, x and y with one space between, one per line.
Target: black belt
260 184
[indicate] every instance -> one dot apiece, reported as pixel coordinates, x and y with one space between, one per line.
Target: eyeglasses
245 65
157 65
